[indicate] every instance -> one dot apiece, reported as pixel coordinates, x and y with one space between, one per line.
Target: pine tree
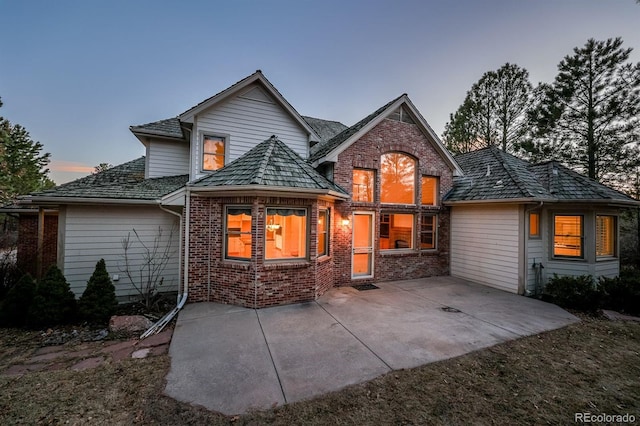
54 302
589 117
98 302
14 308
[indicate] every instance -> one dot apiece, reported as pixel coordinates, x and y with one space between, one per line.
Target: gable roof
256 77
329 150
169 128
270 165
492 175
326 129
123 182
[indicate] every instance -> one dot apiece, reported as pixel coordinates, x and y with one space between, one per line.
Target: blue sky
77 74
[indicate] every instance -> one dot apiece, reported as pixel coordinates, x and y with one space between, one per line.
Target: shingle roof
169 127
125 181
324 148
270 164
494 175
326 129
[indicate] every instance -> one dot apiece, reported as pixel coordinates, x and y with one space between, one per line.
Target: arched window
397 178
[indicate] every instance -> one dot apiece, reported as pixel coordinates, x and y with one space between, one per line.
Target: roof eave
44 200
142 136
601 202
271 190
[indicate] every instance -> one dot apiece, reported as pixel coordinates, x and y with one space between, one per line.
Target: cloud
69 166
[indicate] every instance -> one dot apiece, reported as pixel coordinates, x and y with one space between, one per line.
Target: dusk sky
77 74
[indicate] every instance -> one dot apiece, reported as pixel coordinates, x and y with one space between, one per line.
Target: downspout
182 298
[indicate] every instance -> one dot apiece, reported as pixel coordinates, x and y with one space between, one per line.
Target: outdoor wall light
345 221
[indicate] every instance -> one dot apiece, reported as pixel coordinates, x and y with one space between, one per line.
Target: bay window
605 236
286 233
237 233
568 236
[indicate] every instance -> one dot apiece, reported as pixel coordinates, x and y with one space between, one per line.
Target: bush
622 293
9 273
54 303
581 293
98 302
14 309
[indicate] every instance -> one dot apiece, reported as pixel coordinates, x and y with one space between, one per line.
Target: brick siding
28 243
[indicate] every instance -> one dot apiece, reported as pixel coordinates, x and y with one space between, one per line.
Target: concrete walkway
232 359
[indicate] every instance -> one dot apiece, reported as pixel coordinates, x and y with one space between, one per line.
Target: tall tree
493 112
589 116
22 163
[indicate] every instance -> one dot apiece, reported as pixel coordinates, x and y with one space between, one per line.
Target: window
238 233
534 225
428 231
363 184
397 178
286 233
323 233
605 236
429 191
568 236
212 153
396 231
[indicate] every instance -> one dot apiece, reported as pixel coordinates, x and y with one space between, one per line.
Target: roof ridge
513 174
264 162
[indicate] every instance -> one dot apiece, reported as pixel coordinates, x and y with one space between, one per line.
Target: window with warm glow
396 231
605 236
428 231
568 236
212 153
238 233
397 178
363 184
429 191
534 225
323 233
286 233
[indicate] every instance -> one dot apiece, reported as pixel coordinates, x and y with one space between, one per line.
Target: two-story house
256 205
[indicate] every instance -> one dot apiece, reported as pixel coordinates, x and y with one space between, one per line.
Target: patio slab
233 360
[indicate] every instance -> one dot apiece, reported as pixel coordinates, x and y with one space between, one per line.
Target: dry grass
593 366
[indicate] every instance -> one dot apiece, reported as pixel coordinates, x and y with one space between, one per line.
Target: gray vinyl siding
246 122
166 158
92 233
485 245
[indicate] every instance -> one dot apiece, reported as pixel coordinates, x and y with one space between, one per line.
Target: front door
362 252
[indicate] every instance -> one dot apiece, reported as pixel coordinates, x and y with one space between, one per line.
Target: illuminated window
605 236
397 179
534 225
429 191
213 153
396 231
363 184
568 236
428 231
323 233
286 233
238 233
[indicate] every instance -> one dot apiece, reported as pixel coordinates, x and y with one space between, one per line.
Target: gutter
228 190
182 298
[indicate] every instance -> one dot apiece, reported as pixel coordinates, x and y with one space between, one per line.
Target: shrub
54 303
13 311
98 302
622 293
581 293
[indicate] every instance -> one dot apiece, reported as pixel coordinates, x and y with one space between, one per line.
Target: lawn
592 366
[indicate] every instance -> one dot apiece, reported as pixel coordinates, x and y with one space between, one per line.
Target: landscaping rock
129 324
617 316
141 353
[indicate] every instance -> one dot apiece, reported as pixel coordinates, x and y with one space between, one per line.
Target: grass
592 366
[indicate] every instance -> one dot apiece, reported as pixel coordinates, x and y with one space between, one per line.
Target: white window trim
583 253
201 136
615 237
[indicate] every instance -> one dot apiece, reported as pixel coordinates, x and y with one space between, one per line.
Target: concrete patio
231 359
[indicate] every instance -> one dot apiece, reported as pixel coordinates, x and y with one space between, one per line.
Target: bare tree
147 276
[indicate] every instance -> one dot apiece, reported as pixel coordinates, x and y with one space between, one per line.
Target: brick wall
258 282
28 243
392 136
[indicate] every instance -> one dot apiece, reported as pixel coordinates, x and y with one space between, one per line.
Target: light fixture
345 221
271 227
